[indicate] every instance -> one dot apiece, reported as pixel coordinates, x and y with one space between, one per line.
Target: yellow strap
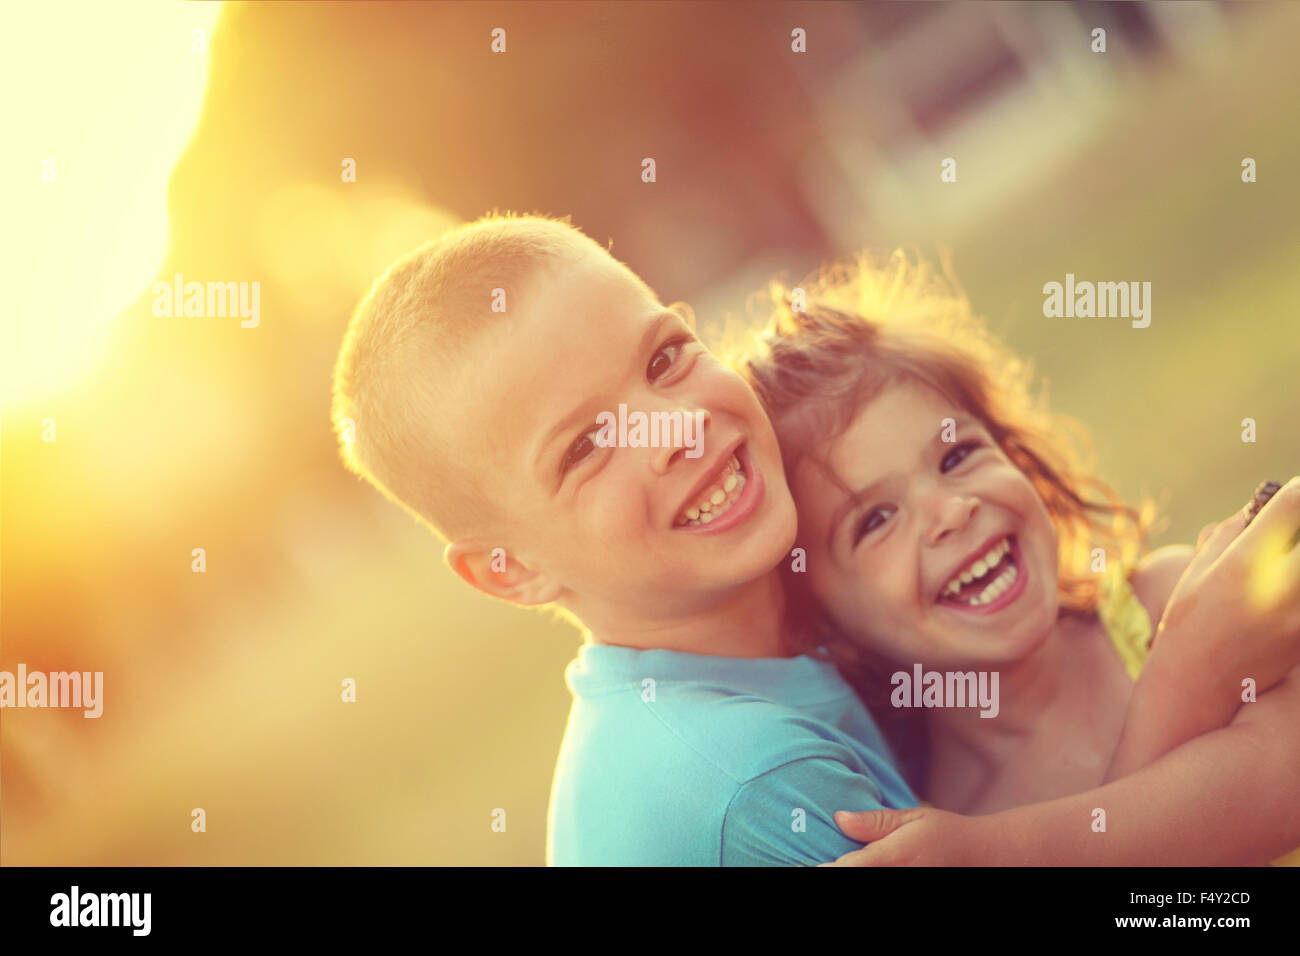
1125 619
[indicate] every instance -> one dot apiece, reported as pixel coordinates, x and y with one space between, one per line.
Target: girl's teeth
999 587
983 566
718 496
692 513
730 483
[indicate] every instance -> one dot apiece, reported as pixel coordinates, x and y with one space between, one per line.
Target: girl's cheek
881 594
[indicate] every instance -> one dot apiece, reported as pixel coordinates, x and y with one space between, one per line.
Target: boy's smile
945 554
724 497
651 531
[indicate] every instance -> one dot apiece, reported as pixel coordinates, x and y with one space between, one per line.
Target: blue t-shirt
674 759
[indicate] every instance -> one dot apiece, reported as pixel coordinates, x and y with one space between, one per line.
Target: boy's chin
755 557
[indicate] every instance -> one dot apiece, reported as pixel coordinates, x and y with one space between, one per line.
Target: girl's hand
1233 615
921 836
1235 612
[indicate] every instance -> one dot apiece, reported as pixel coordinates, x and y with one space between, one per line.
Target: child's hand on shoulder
919 836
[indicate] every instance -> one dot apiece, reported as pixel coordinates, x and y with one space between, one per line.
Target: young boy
468 390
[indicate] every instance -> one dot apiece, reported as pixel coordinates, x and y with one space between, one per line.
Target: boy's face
636 530
885 566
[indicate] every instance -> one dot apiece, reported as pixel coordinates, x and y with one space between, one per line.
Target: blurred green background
222 688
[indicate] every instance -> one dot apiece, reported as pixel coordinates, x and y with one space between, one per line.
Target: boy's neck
744 622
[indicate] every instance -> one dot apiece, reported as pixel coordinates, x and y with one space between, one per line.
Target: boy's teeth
717 500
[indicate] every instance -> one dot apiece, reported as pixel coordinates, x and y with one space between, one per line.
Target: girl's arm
1227 798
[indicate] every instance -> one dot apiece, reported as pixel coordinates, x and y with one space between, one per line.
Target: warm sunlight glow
95 130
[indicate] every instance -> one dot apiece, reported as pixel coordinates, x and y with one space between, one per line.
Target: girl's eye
872 520
579 451
664 359
958 455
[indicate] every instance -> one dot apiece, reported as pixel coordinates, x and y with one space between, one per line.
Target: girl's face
944 553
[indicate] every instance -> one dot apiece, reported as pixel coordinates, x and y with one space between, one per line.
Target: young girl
947 520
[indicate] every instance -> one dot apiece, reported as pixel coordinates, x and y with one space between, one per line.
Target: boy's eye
872 520
958 455
579 451
665 358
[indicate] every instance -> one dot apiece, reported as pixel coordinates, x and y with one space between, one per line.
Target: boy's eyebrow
576 416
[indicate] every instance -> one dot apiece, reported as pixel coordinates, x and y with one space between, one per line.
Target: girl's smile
988 581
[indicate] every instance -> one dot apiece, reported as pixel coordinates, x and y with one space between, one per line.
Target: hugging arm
1226 798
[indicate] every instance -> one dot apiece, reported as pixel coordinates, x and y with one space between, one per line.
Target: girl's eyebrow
854 501
959 422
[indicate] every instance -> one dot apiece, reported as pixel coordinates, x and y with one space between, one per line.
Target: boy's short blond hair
407 340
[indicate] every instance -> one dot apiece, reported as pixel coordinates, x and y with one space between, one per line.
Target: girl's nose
953 513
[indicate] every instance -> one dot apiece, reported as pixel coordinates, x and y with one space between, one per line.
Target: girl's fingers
1287 523
1271 532
1217 541
852 858
1205 534
871 825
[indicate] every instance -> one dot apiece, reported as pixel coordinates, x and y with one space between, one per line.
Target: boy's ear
499 574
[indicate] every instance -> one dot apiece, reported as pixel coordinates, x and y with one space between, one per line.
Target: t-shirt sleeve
784 817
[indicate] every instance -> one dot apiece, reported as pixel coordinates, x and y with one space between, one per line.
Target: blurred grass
1160 199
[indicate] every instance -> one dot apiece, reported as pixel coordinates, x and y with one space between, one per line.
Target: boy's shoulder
698 770
750 734
738 732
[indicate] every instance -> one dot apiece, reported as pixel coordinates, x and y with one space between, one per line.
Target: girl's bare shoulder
1155 576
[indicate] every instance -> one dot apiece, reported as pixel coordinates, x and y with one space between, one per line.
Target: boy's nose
695 424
